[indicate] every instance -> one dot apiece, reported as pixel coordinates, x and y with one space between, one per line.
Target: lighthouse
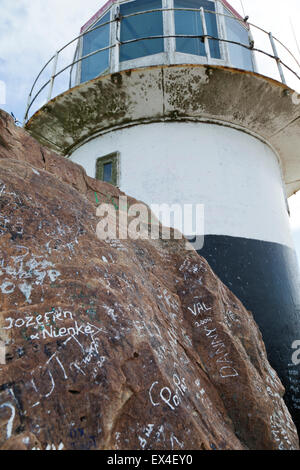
175 102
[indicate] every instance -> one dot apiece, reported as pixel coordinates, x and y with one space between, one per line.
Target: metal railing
286 62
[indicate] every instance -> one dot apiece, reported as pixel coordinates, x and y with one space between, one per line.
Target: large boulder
117 344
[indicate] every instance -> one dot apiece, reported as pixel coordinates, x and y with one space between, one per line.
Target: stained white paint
236 176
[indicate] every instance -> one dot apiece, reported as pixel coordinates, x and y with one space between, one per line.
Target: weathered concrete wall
235 176
248 101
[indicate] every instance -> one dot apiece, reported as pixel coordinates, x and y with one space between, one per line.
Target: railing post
115 54
206 43
72 66
280 69
53 76
251 43
27 109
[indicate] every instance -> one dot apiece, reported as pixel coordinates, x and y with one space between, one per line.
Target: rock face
117 344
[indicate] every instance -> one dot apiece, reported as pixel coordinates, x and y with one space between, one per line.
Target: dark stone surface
265 277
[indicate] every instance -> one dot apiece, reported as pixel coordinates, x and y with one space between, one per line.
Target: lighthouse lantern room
171 32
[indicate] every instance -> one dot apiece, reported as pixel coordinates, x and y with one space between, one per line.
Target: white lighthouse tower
175 102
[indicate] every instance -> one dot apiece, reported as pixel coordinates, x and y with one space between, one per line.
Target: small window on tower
107 168
107 172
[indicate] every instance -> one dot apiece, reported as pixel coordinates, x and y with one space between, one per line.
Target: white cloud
294 204
30 33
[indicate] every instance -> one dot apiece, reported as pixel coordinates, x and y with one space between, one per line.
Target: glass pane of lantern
93 66
240 57
189 23
141 26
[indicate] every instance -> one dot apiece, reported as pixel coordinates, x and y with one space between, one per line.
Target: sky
32 30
